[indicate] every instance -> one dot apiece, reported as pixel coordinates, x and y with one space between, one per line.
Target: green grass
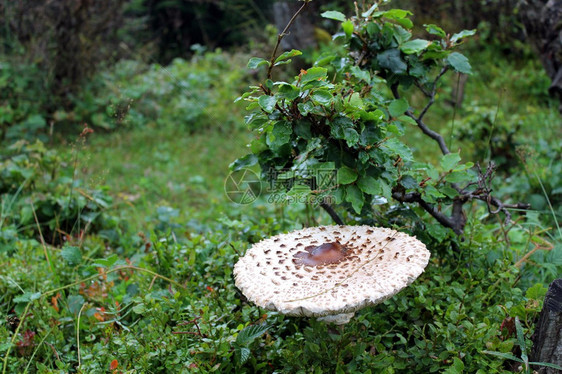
146 168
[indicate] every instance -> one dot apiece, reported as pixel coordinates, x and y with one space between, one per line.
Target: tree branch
415 197
423 127
328 208
479 190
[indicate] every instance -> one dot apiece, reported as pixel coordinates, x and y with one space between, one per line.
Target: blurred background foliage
56 47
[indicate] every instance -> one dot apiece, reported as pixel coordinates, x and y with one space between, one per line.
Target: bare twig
282 35
545 246
433 92
192 321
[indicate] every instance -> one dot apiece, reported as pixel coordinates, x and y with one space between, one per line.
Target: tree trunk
542 20
547 338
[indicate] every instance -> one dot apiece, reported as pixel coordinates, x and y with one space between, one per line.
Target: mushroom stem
337 319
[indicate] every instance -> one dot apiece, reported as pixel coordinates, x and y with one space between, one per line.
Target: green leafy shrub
348 113
21 112
184 94
39 199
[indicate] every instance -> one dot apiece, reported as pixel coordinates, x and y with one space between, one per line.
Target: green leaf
244 162
521 338
398 107
26 214
267 103
386 190
369 185
287 55
462 34
437 231
370 11
338 125
547 364
399 148
370 135
347 28
459 176
400 16
432 194
105 262
288 91
334 14
139 308
351 136
460 63
391 60
449 161
355 197
536 292
405 22
314 74
432 172
463 167
449 191
256 120
397 13
355 101
456 368
256 62
414 46
346 175
324 59
250 333
280 135
322 97
408 182
401 34
306 107
72 255
27 297
435 30
242 355
507 356
408 120
75 303
360 74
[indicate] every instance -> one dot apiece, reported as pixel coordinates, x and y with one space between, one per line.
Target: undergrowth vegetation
131 94
117 247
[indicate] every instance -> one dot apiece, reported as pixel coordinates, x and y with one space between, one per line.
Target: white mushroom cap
301 274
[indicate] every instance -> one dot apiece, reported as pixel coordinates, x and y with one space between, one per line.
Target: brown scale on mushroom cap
327 253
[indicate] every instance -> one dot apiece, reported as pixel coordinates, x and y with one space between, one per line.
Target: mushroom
329 271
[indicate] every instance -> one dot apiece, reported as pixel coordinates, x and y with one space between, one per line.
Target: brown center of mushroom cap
327 253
